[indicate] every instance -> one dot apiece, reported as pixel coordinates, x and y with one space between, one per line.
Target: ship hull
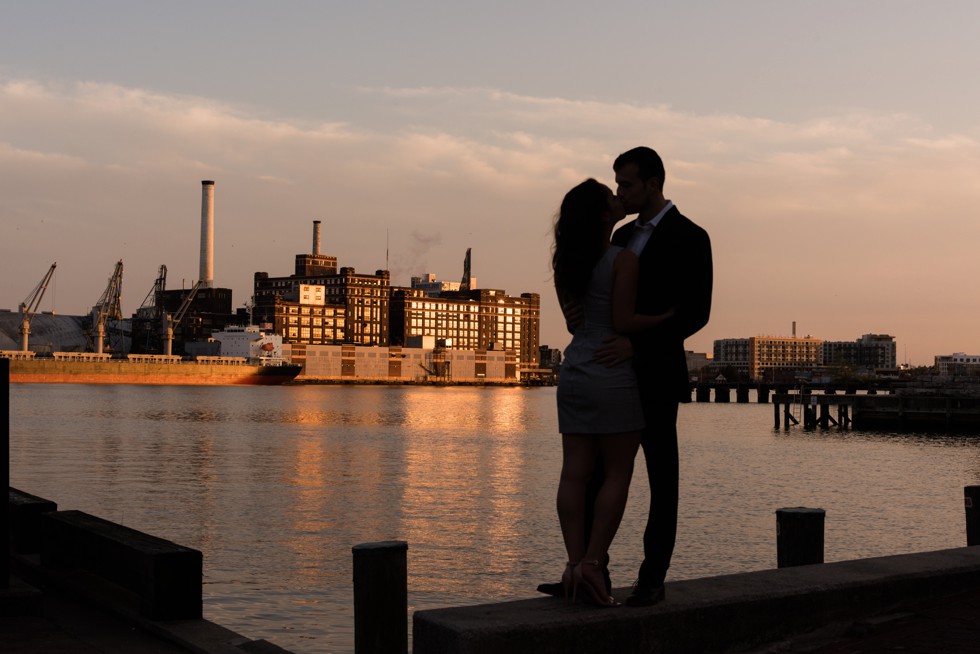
40 371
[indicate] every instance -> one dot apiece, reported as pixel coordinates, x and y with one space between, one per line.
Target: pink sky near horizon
836 196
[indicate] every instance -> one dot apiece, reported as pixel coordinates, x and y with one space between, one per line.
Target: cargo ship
91 368
260 363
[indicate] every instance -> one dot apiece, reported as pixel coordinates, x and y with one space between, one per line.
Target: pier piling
799 536
971 499
381 597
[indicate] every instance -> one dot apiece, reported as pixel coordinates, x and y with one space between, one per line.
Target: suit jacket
675 271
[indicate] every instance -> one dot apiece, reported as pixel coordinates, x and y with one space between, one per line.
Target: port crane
170 322
109 307
153 304
147 320
28 308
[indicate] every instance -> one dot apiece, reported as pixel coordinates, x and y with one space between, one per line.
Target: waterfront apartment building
732 353
958 365
768 357
871 351
773 357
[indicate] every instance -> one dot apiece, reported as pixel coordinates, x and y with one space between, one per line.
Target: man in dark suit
675 272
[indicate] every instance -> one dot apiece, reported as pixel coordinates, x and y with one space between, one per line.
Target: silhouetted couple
629 302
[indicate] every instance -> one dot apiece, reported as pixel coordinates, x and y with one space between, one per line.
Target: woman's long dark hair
578 236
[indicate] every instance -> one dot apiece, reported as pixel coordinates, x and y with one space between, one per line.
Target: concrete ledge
192 635
19 598
25 528
714 614
166 577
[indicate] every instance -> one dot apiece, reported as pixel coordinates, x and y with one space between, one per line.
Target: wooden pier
814 410
885 405
893 412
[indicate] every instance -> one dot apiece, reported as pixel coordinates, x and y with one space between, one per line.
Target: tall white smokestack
207 233
316 238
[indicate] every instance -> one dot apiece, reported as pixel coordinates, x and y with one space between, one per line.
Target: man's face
635 194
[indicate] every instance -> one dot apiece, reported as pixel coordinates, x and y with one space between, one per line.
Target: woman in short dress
599 411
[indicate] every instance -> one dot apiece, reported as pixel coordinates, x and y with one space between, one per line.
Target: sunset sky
831 150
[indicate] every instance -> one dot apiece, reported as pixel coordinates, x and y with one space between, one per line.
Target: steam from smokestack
207 234
316 238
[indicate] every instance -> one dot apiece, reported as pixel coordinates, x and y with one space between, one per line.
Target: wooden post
702 393
971 498
722 393
788 415
824 420
742 394
775 412
381 597
763 396
809 415
5 468
799 536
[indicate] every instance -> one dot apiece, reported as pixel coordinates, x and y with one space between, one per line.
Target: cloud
809 219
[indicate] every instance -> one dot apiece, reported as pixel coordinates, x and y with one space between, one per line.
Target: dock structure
923 411
814 410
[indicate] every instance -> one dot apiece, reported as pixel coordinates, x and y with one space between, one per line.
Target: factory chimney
316 238
467 280
794 329
207 234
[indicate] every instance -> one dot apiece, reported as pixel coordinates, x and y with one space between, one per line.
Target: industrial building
319 305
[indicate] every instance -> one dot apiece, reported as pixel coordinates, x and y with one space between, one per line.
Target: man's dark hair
648 163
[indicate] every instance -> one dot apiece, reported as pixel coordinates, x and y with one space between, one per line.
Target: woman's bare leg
579 452
618 454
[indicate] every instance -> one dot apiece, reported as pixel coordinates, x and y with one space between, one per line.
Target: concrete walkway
60 620
949 625
749 612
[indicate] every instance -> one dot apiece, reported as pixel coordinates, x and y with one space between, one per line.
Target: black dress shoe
645 595
556 589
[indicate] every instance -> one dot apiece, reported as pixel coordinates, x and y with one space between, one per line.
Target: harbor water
276 484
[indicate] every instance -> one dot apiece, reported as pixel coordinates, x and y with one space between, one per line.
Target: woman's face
614 208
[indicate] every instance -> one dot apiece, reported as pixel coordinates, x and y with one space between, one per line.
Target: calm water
275 484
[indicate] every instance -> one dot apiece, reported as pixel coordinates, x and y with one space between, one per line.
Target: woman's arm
571 309
626 271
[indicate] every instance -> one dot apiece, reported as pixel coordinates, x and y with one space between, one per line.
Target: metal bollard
971 499
799 536
381 597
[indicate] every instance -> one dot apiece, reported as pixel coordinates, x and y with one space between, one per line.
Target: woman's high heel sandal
568 579
594 592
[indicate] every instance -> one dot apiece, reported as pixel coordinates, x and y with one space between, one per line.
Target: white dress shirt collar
641 232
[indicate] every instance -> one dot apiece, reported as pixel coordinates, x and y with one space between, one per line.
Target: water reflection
276 484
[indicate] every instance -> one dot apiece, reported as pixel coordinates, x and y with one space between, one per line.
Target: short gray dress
594 398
